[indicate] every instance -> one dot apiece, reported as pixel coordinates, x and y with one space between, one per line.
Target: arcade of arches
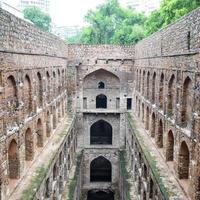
108 115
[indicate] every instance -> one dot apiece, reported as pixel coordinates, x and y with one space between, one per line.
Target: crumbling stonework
58 99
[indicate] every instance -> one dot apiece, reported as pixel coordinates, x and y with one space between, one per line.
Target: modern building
146 6
42 4
65 31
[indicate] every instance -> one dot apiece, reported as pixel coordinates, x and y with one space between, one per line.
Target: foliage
170 11
39 18
109 23
29 193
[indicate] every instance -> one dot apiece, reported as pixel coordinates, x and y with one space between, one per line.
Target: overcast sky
67 12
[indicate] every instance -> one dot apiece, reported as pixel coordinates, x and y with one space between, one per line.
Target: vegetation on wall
110 23
39 18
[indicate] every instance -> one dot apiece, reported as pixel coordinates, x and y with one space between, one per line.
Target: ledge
164 177
37 170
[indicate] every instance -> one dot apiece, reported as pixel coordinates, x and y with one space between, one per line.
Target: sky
67 12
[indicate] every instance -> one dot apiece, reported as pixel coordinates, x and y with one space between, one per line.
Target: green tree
109 23
170 11
39 18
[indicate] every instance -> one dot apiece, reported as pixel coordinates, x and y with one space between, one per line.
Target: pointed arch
183 161
170 146
29 145
161 91
186 102
28 94
13 160
159 135
40 136
148 83
147 119
48 124
171 96
101 133
154 88
100 170
153 125
39 89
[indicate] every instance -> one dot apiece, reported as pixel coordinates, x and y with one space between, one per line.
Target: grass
151 159
29 193
74 181
125 174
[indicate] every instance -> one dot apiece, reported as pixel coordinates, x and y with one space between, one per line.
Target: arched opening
153 125
145 171
183 161
144 195
40 137
147 119
154 87
101 101
29 145
55 172
100 170
54 84
11 93
159 136
140 81
27 95
171 96
39 90
186 102
143 82
13 160
48 124
143 112
161 91
54 118
48 189
151 186
100 195
148 80
48 84
59 85
101 85
170 147
101 133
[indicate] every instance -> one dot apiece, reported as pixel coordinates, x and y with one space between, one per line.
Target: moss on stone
151 159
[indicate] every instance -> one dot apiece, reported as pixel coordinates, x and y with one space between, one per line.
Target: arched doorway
101 101
48 124
101 133
170 147
161 92
154 88
29 145
159 135
13 160
171 96
100 195
27 94
40 137
183 161
40 90
100 170
187 102
153 125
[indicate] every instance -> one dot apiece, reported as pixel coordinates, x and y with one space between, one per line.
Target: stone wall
166 94
20 36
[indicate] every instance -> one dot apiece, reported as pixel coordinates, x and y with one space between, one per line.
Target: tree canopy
170 11
39 18
110 23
